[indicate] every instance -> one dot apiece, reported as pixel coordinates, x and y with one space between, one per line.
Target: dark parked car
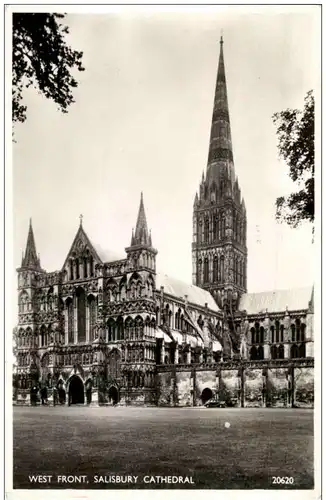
213 403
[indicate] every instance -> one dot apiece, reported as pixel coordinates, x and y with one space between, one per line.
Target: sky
141 122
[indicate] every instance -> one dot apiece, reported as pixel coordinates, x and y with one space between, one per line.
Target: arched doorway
206 395
113 395
76 391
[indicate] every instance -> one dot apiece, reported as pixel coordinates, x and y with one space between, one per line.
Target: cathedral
101 331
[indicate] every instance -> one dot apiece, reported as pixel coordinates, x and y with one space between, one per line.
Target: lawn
258 444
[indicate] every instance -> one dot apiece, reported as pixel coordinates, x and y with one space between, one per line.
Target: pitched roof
179 289
276 300
107 255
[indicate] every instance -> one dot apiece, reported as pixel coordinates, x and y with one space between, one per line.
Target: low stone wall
243 384
304 387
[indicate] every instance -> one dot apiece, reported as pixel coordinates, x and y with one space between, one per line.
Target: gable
81 247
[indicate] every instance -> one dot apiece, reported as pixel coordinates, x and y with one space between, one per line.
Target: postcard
163 300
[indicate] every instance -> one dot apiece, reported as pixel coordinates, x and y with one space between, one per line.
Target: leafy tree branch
41 58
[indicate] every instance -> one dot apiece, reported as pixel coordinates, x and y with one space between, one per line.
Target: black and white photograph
163 247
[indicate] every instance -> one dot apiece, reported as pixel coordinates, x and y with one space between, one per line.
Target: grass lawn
259 444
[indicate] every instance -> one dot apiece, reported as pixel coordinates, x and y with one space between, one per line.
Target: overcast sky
141 122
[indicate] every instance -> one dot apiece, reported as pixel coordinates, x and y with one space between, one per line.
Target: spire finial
81 219
221 39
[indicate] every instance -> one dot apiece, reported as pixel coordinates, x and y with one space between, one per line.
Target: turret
141 252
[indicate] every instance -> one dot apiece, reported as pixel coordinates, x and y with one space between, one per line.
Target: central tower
219 252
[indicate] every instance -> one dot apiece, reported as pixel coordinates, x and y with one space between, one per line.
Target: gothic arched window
272 334
260 352
282 334
91 316
223 226
206 230
215 232
222 268
120 332
139 327
241 234
238 230
199 275
182 323
70 319
206 270
91 266
297 330
277 331
111 330
71 270
294 351
302 351
44 336
23 302
302 332
199 231
236 271
241 273
215 269
81 315
77 268
257 335
129 328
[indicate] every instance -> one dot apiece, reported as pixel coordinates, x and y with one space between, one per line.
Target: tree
295 131
41 58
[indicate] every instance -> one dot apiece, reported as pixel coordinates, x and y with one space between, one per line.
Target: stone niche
304 387
253 385
184 384
229 387
277 387
165 383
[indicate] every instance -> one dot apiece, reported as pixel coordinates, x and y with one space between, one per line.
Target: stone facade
104 331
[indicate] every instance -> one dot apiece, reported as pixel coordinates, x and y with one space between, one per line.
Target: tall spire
141 235
220 200
30 259
220 155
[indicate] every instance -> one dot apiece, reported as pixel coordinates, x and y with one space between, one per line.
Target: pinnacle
141 235
30 258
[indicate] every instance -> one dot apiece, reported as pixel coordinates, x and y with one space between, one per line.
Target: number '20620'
282 480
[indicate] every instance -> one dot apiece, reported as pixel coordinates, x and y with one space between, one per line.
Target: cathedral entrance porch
76 391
